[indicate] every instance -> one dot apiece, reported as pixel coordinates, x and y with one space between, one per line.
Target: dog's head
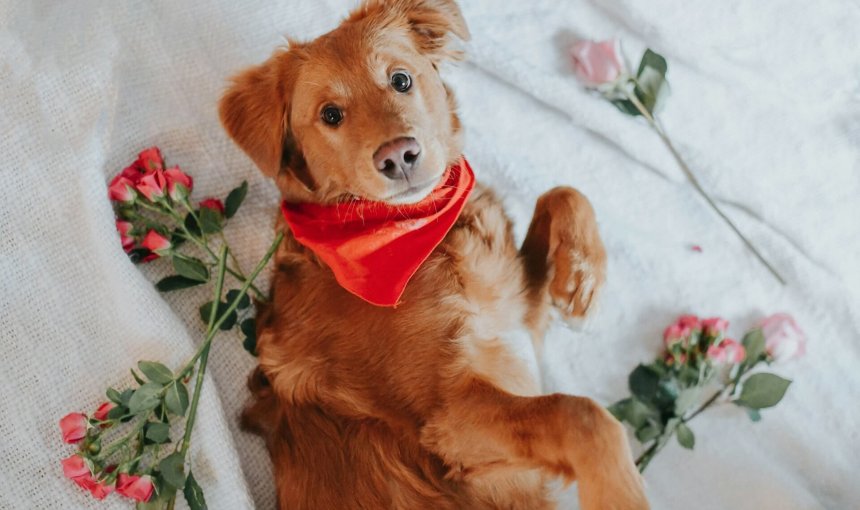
358 112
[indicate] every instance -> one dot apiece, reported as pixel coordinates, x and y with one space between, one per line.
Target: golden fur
421 406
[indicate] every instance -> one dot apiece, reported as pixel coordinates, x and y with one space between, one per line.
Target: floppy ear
432 23
255 112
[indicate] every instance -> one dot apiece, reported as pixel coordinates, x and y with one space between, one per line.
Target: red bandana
374 248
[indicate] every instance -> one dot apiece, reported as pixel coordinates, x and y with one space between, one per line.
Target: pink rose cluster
690 338
78 428
146 184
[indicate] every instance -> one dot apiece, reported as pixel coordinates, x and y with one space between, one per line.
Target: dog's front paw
576 281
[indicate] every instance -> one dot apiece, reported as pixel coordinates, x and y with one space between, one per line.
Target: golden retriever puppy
422 405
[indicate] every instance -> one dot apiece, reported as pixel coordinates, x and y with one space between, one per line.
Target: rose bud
101 413
121 190
715 326
156 243
727 352
124 228
213 203
74 427
150 160
152 185
597 63
75 468
179 184
138 488
783 338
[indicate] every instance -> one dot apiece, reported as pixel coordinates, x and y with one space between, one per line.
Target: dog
422 405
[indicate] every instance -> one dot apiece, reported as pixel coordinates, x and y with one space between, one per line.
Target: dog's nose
396 159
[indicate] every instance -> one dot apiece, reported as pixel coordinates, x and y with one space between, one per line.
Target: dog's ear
432 23
255 112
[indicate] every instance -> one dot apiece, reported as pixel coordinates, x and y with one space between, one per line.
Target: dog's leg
482 427
563 254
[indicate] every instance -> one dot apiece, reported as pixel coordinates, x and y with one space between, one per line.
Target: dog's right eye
332 115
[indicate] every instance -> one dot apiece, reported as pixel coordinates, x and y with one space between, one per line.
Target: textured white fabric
764 107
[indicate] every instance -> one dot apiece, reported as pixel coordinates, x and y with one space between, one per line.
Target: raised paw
563 248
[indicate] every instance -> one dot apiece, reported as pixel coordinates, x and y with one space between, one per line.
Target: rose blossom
179 184
101 413
138 488
124 228
74 427
121 189
597 63
727 352
213 203
783 338
156 243
76 470
150 160
715 325
680 330
152 185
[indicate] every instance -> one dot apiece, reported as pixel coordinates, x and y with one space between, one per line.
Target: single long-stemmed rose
600 66
669 393
125 444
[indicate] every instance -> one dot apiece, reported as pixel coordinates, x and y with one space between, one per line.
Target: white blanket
764 107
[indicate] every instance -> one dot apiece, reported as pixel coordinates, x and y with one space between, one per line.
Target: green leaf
125 397
191 225
194 494
639 413
650 89
155 371
648 432
222 308
172 469
652 59
145 398
754 343
137 377
626 106
191 268
235 199
643 383
761 391
176 398
685 436
249 329
176 282
620 409
117 412
211 221
687 399
157 432
114 396
244 303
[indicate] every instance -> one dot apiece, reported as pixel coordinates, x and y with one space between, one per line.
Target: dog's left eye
401 81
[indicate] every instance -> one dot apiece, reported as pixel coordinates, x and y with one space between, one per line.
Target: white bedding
765 106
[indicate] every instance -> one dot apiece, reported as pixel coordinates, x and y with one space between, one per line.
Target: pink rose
138 488
213 203
152 185
150 160
179 184
690 321
101 413
76 470
727 352
121 189
783 338
715 325
597 63
74 427
124 228
676 333
156 243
